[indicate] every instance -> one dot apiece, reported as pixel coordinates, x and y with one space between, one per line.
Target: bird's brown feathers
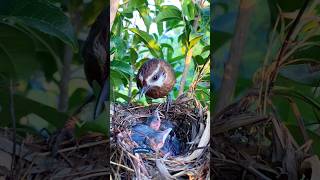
147 69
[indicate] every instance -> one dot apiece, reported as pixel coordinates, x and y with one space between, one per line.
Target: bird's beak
165 134
156 113
143 91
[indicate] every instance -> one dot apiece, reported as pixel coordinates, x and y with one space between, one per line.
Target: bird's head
151 75
154 120
157 140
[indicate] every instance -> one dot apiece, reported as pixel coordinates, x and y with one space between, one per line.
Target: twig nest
191 126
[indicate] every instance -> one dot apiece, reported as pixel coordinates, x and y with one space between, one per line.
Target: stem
185 71
13 117
286 42
237 46
113 11
188 60
299 118
65 78
63 99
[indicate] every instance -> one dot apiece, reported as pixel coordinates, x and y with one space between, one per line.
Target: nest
192 128
250 145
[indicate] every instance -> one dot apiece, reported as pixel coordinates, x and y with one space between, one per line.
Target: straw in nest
193 130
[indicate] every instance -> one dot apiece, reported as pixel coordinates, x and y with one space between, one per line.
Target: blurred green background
301 84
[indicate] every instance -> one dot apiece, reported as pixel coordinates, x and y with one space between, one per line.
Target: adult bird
96 62
96 59
155 79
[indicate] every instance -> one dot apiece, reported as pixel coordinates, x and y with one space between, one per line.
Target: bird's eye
155 77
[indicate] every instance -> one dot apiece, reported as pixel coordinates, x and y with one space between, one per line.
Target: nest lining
191 122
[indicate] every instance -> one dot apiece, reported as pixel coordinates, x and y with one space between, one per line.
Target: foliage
35 36
298 80
146 29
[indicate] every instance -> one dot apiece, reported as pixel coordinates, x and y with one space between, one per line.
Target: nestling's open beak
143 91
165 134
156 113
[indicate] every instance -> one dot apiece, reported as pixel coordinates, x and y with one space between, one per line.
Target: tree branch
65 78
237 45
188 60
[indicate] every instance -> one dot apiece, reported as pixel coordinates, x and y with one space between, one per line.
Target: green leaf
47 63
149 41
24 106
296 133
290 92
123 96
101 124
117 25
42 16
188 9
169 12
205 49
176 58
77 97
17 53
139 63
194 41
133 56
121 66
160 27
311 52
144 13
170 50
134 4
92 10
199 60
118 78
219 39
301 73
128 13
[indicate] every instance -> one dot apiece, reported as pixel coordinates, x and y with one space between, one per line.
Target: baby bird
154 120
172 143
145 136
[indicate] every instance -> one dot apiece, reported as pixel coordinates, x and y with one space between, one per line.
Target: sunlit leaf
199 60
133 56
169 50
121 66
169 12
149 42
118 78
144 13
194 41
120 95
139 63
188 9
